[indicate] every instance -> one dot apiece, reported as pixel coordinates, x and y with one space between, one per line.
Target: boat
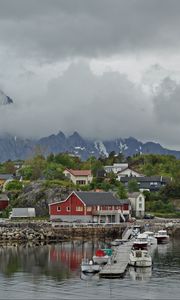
151 238
162 236
140 258
102 256
141 242
117 242
87 266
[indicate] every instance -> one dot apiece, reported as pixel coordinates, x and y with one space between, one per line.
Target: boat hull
162 240
100 259
87 268
141 264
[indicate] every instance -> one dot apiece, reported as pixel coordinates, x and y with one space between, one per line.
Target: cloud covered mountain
17 148
4 99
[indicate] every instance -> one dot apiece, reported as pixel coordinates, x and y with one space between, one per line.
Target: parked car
148 216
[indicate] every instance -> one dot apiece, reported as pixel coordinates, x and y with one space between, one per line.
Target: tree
9 167
133 186
121 191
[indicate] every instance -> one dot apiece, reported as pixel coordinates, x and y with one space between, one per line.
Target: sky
104 68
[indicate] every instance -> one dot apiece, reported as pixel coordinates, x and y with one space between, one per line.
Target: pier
119 261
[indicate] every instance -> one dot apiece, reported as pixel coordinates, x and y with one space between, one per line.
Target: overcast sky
104 68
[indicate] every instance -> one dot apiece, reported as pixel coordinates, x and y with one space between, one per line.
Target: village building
147 183
128 172
81 177
91 207
137 200
22 212
4 201
5 178
116 167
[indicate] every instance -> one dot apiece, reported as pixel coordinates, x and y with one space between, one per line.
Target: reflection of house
115 168
79 176
4 201
129 173
151 183
24 212
137 200
89 207
68 254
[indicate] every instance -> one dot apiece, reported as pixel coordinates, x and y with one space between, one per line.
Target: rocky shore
44 232
39 231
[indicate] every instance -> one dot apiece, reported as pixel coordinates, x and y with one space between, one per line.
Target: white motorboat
151 238
140 258
87 266
141 242
162 236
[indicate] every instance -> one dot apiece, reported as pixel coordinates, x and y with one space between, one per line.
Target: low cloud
103 106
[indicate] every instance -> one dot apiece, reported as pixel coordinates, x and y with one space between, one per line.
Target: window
79 208
140 205
140 199
58 208
89 208
68 208
81 182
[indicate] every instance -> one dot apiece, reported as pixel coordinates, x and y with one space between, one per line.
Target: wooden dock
118 262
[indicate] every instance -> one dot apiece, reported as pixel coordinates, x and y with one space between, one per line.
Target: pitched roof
128 168
134 194
80 172
146 179
6 176
99 198
4 197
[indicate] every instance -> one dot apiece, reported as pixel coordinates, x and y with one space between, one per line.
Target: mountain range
15 148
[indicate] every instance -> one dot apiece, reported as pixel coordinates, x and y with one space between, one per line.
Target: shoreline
48 232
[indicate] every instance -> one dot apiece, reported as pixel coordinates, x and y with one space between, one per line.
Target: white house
81 177
137 200
128 172
115 168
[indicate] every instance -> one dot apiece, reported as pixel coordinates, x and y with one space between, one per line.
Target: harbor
132 250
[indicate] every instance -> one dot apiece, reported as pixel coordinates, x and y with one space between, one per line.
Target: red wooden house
4 201
90 207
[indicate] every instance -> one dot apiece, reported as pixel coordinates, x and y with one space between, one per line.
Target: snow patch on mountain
80 148
123 147
101 148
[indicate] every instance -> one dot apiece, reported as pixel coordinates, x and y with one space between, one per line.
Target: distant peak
60 133
4 99
76 134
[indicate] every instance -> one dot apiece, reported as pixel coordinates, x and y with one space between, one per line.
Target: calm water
52 272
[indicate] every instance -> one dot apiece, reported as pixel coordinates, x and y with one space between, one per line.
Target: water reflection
59 261
62 261
140 273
